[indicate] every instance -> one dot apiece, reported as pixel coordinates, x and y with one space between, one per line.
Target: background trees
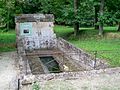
113 8
85 13
7 13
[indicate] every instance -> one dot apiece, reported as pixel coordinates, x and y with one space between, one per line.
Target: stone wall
80 57
35 31
77 75
72 75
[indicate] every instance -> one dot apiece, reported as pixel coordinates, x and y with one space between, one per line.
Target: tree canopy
89 12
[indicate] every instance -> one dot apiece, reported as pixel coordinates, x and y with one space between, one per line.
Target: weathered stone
29 79
77 75
35 31
79 56
34 18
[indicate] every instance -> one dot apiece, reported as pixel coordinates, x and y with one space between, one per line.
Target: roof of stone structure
34 18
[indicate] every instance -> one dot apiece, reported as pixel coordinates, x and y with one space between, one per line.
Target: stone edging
77 75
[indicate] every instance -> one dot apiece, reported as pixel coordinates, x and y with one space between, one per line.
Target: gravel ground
101 82
8 71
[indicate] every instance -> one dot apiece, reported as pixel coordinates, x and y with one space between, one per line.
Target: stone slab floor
8 71
102 81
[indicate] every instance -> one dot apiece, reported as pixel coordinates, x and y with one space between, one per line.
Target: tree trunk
76 24
119 27
76 28
96 16
101 14
8 16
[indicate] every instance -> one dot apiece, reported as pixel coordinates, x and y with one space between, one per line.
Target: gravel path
106 80
8 71
101 82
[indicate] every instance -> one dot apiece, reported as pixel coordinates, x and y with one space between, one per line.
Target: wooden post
95 54
18 84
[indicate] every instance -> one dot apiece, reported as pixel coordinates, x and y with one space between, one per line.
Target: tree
76 23
113 7
7 13
96 10
101 17
96 16
80 12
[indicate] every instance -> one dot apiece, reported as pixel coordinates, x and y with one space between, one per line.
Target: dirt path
8 71
100 82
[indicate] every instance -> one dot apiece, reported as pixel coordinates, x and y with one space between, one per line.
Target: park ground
107 46
100 82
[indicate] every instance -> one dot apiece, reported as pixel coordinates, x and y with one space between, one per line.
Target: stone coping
76 75
34 18
29 79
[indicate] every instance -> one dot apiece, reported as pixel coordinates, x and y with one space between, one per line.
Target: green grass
7 41
62 31
88 40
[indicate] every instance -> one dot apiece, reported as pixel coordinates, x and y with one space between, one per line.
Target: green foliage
63 11
35 86
7 12
113 8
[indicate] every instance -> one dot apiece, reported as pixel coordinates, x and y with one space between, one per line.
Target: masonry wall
35 31
79 56
77 75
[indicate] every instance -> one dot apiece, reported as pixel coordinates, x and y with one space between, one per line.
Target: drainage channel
43 65
50 65
35 65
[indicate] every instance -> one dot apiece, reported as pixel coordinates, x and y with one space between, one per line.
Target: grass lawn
108 47
7 41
